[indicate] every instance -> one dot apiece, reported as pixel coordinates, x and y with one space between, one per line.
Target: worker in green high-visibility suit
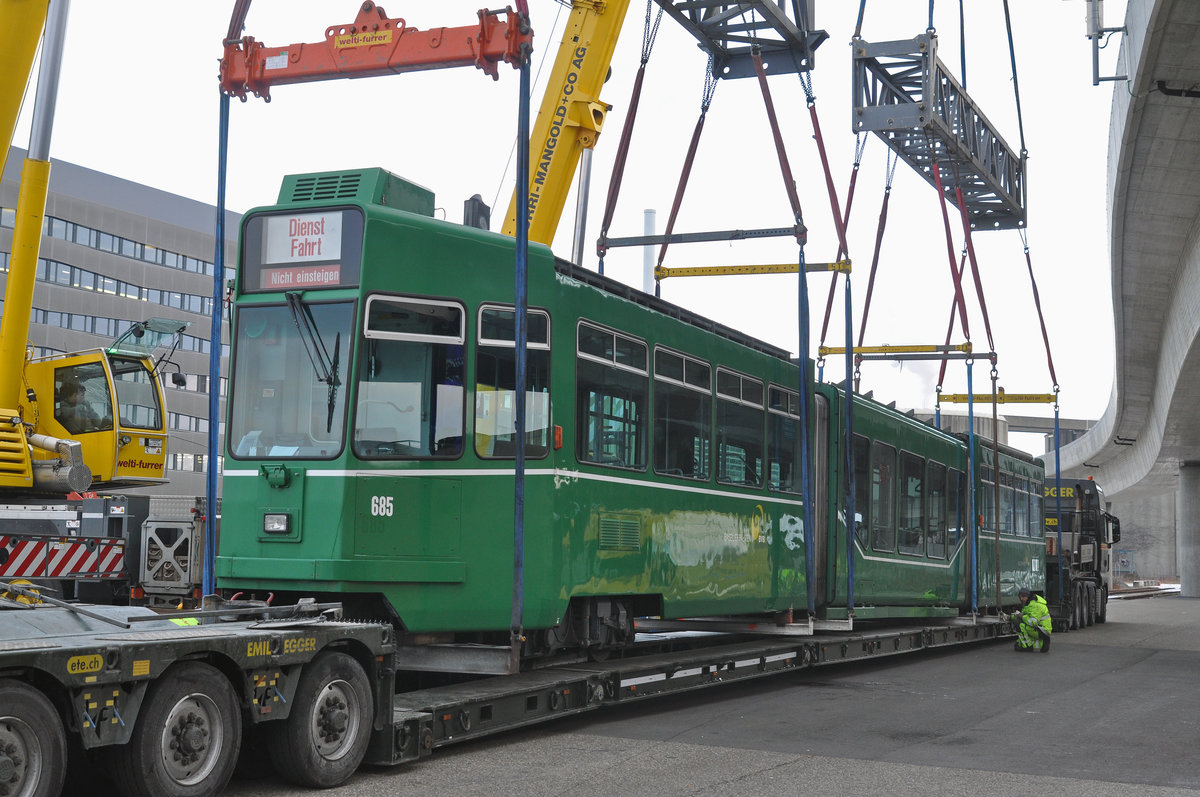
1032 622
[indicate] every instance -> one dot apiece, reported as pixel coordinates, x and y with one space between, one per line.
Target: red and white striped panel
73 559
26 558
62 558
69 559
110 555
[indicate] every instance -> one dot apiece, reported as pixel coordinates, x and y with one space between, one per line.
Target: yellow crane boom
21 23
571 114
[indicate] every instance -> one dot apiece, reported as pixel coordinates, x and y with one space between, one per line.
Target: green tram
370 445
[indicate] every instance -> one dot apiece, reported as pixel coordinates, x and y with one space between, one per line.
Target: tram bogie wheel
324 738
187 738
33 744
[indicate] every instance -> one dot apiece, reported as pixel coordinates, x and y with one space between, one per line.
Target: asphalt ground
1111 710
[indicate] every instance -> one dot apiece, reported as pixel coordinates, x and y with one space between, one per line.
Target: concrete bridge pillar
1187 535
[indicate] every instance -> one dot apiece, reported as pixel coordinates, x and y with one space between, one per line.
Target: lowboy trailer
164 704
427 719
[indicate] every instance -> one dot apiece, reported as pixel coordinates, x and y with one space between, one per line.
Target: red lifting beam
373 45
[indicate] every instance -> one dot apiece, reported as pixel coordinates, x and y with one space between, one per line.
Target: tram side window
1021 508
883 497
612 388
410 380
1036 519
985 498
911 509
495 380
739 429
682 415
863 487
935 479
783 440
1007 501
956 512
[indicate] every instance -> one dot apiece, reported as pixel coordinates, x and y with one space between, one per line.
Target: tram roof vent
368 186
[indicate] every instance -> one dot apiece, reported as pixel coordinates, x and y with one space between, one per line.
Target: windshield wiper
326 367
337 349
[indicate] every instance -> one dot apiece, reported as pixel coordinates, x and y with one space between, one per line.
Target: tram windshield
288 394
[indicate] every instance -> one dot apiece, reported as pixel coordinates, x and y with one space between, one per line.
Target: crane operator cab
110 401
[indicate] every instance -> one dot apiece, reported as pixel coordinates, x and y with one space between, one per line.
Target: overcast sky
138 99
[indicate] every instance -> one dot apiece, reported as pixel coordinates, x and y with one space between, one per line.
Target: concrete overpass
1145 449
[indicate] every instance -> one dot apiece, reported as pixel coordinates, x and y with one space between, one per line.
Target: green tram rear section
370 447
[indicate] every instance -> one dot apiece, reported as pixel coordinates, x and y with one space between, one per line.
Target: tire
1089 602
1075 607
192 708
1102 613
324 738
33 744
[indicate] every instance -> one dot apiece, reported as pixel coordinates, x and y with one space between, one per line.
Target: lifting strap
1037 302
892 160
785 167
996 482
838 221
649 33
806 471
710 86
860 144
843 251
966 222
1012 55
972 468
962 264
1058 494
954 273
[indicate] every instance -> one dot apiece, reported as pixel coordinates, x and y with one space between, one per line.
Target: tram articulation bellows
906 96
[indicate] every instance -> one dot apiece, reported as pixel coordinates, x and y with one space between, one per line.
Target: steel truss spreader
906 96
782 32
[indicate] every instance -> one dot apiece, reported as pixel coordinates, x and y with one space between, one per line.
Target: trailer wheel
33 744
187 736
1102 613
325 736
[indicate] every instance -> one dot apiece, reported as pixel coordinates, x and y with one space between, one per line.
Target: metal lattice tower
781 30
906 96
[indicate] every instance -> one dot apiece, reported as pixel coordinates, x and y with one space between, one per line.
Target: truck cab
1080 534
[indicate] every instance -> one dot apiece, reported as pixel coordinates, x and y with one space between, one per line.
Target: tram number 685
381 505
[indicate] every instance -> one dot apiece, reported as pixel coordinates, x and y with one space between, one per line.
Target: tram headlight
277 523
